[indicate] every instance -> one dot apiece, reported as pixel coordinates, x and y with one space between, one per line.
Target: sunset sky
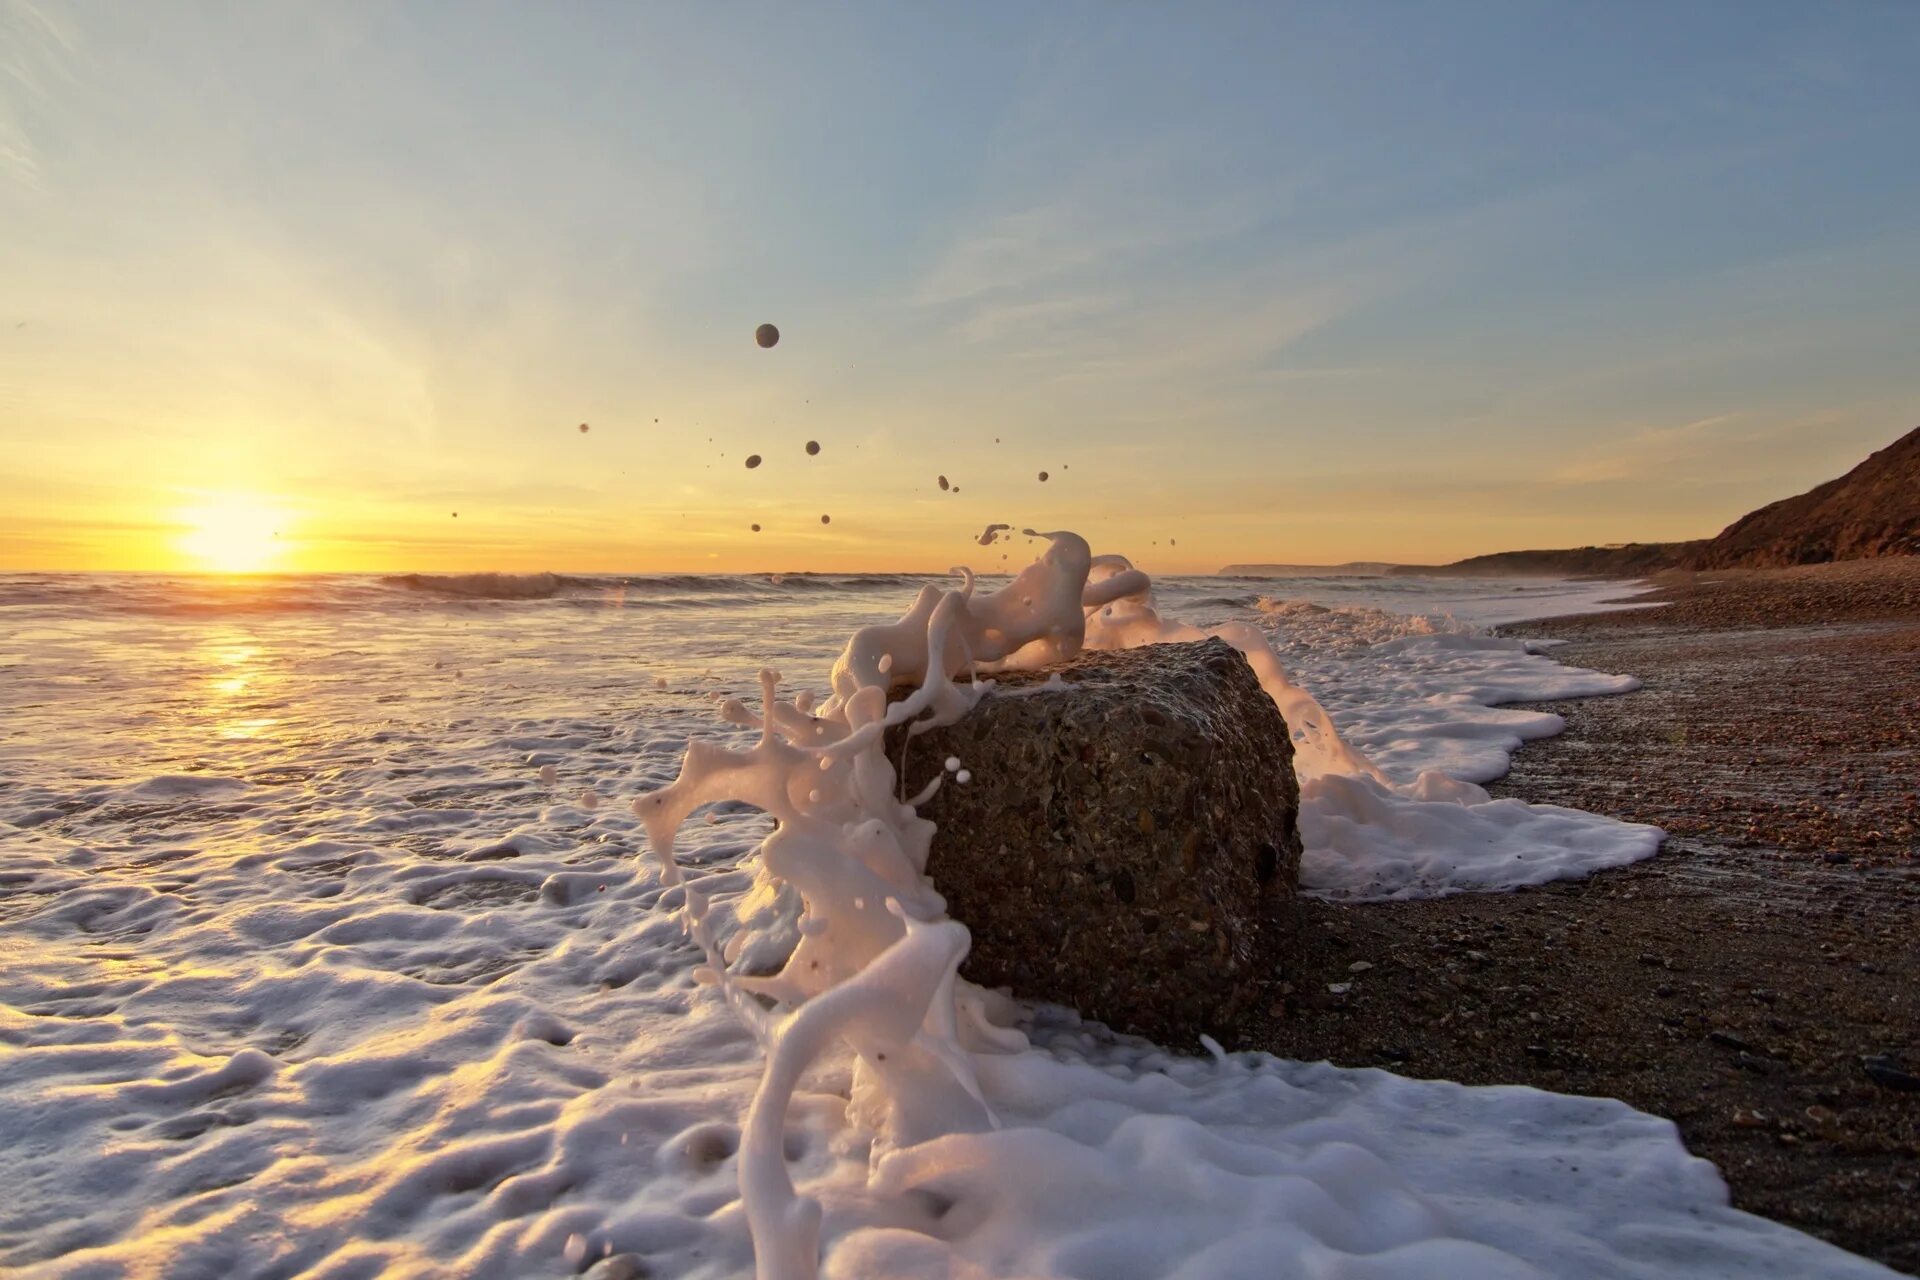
285 286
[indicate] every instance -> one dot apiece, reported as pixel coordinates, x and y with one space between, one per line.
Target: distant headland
1872 511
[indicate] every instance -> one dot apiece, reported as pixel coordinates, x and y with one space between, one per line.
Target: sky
286 286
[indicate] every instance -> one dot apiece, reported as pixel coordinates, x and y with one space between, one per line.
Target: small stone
1730 1041
1822 1115
620 1266
1884 1070
1748 1118
1339 988
1360 966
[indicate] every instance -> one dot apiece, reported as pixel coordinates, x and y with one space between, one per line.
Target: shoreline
1736 981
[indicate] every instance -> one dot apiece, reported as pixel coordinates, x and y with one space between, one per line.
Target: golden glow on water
237 673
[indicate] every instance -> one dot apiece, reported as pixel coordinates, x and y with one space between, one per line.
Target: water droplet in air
756 528
766 335
1043 477
549 774
753 460
826 519
583 428
943 483
813 447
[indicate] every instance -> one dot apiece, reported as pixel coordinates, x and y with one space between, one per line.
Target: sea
330 947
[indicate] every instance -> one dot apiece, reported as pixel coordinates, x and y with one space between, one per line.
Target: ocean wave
1288 608
547 585
481 586
1247 601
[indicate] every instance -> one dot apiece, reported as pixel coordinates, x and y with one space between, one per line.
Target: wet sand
1737 982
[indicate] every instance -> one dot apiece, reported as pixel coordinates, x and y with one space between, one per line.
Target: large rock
1127 841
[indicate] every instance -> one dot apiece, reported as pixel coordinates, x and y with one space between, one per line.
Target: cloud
35 49
1648 448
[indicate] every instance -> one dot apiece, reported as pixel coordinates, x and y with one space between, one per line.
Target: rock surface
1873 510
1127 843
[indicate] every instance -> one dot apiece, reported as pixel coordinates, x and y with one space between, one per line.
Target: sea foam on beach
309 972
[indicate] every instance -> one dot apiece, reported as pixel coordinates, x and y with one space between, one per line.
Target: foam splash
872 958
492 1055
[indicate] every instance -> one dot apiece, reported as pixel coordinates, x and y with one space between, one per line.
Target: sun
234 533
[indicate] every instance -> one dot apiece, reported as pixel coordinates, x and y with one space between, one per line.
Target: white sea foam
366 997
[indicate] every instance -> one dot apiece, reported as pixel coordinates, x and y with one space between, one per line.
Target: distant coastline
1870 512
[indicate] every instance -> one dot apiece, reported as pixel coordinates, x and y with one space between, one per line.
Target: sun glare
234 534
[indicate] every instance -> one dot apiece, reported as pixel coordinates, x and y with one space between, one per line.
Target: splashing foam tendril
876 958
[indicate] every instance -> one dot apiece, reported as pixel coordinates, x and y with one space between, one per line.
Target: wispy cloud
1647 448
35 48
